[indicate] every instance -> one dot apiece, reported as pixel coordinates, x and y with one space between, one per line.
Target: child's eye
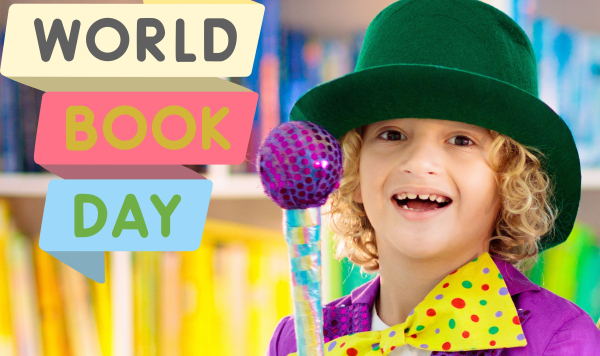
461 141
392 135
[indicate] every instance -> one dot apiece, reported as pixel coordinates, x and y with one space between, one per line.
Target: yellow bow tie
470 309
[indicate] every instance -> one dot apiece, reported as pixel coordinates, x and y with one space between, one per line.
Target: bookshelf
34 185
314 15
239 198
227 187
235 197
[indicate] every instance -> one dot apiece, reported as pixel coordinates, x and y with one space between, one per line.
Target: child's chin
422 247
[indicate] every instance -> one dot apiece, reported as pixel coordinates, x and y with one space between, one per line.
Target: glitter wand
300 165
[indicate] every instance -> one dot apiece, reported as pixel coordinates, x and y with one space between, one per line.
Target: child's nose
420 158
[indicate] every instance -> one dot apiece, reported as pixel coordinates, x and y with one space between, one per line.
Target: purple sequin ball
300 165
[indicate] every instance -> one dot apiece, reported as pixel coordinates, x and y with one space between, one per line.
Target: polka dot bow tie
470 309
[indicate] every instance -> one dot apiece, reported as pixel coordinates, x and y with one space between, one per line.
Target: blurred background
227 297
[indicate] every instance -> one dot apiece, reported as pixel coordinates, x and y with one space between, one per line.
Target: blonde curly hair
525 215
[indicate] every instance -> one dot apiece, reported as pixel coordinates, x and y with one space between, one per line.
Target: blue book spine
30 112
295 83
264 79
10 121
524 13
589 113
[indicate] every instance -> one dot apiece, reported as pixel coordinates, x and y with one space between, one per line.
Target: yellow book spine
102 308
259 298
81 327
232 294
51 308
199 331
169 302
26 316
270 293
144 273
7 338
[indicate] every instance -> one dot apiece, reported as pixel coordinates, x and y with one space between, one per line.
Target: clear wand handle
302 232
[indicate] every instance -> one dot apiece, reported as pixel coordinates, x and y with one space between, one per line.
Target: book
82 329
7 340
144 302
102 306
23 295
50 300
169 300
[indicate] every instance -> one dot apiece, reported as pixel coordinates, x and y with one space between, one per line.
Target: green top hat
459 60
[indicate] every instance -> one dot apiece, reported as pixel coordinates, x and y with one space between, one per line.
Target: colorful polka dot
424 346
392 348
475 318
420 327
375 347
498 314
466 334
516 320
458 303
493 330
412 312
467 284
439 296
520 337
437 331
331 346
430 312
351 352
486 270
446 346
342 345
406 330
492 343
445 285
392 333
475 260
485 287
503 291
483 302
414 336
452 324
500 276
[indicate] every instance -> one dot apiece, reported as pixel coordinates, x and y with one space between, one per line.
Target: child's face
428 157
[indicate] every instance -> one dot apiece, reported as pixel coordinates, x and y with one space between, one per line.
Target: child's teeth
411 196
405 207
432 197
440 199
423 196
402 196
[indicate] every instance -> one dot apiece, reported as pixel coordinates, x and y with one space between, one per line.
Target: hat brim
434 92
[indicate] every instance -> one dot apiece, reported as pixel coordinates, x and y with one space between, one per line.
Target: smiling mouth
421 202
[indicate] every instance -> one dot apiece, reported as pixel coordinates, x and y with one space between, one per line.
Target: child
455 176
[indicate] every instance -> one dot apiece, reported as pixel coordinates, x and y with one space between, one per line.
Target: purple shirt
553 326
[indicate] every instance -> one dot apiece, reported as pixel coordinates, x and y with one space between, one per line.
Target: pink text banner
144 128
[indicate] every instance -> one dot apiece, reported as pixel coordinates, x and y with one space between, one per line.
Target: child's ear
357 195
